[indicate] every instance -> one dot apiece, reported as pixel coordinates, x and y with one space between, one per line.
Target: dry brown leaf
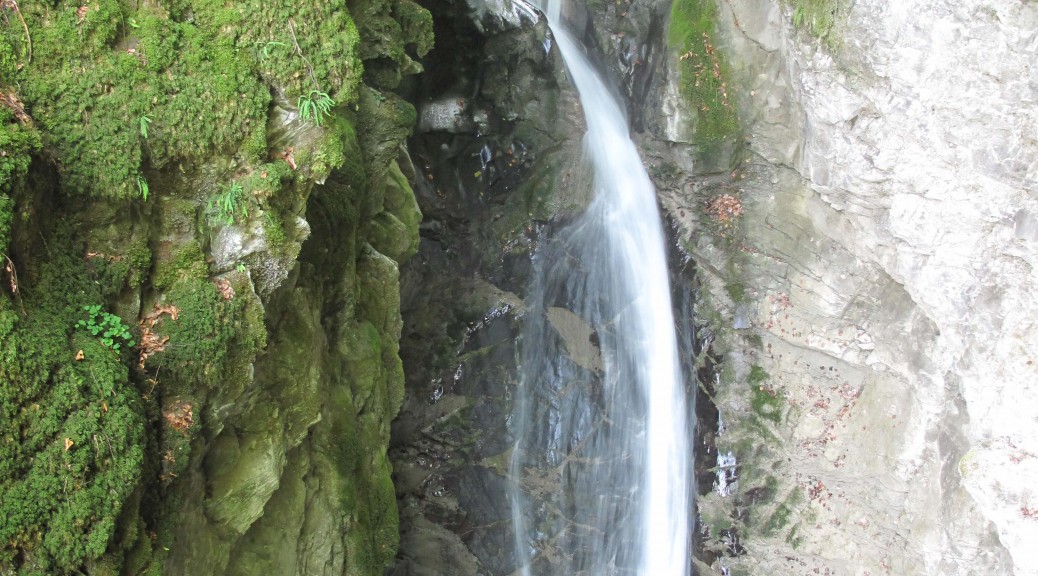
225 289
151 342
179 415
724 209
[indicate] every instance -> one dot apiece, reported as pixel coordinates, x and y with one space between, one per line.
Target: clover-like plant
108 328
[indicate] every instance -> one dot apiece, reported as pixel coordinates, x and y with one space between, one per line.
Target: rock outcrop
203 212
498 138
870 250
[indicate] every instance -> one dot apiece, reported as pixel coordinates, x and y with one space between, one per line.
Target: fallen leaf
68 444
80 356
225 289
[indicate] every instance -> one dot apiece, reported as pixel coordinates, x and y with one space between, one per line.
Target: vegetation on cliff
703 70
130 135
819 18
72 435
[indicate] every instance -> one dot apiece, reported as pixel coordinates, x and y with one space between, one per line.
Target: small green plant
818 18
273 228
268 48
241 268
142 187
314 106
108 328
226 206
143 123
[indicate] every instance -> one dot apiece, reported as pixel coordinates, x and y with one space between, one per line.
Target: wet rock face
866 250
498 137
874 288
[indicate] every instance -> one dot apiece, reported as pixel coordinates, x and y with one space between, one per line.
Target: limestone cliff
870 247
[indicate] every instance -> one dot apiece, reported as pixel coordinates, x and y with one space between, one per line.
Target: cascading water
601 466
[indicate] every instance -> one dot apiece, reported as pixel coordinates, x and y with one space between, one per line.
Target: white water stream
623 465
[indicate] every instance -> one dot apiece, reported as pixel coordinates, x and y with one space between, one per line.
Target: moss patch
115 89
703 70
818 17
71 431
208 332
766 403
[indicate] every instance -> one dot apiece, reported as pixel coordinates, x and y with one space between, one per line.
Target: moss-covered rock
72 428
117 90
703 70
184 171
395 229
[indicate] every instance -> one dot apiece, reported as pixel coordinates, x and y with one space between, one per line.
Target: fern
142 187
314 106
226 206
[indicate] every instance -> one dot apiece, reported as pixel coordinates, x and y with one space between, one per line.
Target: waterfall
601 465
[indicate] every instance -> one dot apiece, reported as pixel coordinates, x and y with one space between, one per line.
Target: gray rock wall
876 291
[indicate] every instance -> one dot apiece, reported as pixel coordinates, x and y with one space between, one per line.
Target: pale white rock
900 207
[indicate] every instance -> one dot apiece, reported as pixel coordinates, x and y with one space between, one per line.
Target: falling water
601 463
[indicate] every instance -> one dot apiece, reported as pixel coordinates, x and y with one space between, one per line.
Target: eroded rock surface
876 287
498 140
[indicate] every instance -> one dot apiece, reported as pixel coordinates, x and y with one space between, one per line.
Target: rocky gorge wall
853 182
202 213
868 249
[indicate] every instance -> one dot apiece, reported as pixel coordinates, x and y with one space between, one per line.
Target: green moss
210 332
757 376
416 26
200 70
274 230
6 216
114 272
367 487
384 121
254 149
330 153
736 291
766 403
188 263
18 142
353 169
72 431
781 517
703 70
389 30
138 259
818 17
